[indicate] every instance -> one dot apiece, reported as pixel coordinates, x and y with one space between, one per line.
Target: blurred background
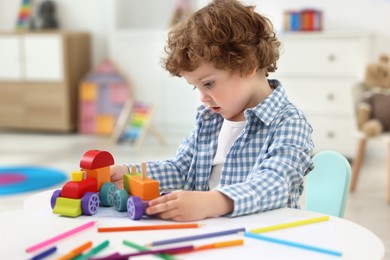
63 63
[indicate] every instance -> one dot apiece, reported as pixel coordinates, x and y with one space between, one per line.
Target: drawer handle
331 57
330 135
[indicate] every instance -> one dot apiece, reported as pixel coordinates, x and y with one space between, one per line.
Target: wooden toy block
76 189
146 189
101 175
143 171
88 91
68 207
134 170
126 182
79 176
94 159
142 186
105 124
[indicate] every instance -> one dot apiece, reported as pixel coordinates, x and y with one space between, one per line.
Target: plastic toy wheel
120 200
89 203
107 194
135 207
54 196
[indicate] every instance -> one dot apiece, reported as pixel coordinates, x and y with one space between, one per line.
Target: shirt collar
266 110
270 107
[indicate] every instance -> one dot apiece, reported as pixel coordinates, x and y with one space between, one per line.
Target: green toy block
126 180
68 207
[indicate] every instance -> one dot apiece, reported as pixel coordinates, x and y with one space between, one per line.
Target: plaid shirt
265 166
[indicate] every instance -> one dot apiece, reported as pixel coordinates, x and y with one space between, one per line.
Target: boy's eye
208 84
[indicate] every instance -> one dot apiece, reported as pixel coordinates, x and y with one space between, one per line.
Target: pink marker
60 236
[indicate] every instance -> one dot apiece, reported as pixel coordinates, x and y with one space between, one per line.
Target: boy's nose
204 98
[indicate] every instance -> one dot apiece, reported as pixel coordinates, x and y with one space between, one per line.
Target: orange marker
237 242
77 251
150 227
221 244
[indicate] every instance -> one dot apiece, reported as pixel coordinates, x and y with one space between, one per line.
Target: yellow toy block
79 176
101 175
68 207
146 189
88 91
105 124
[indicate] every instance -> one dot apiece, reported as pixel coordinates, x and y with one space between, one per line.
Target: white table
36 223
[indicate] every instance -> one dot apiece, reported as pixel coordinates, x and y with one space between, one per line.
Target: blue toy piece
120 200
107 194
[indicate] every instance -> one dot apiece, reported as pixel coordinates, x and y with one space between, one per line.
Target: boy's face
226 93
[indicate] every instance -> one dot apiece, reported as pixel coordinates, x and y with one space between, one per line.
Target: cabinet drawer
10 94
333 133
51 95
316 56
320 96
11 114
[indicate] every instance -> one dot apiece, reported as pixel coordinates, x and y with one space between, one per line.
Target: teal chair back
327 185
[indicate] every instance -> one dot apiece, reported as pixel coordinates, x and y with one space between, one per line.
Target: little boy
251 146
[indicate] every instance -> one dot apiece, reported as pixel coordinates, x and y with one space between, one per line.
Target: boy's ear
251 73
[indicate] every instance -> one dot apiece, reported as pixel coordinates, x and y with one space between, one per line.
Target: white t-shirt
230 130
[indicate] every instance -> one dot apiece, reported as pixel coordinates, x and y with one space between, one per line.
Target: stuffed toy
373 112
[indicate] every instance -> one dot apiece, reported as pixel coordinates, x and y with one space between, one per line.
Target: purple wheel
54 197
90 203
135 207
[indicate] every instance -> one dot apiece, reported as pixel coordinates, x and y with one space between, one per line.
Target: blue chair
327 185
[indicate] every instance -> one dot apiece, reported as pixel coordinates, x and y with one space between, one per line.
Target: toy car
89 188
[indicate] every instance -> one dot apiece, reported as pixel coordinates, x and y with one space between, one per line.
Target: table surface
36 223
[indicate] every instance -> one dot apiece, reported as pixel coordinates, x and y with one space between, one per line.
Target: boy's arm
190 205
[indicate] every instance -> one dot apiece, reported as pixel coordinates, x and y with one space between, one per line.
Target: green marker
142 248
93 251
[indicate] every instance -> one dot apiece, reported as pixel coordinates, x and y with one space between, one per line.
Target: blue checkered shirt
265 166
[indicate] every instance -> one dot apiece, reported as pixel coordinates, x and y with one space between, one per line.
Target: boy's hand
116 173
190 205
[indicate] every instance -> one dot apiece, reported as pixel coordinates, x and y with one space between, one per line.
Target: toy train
91 188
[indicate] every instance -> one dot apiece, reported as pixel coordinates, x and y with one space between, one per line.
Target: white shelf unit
318 71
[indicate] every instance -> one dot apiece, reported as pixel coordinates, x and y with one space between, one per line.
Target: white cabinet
39 77
43 57
318 71
31 57
10 58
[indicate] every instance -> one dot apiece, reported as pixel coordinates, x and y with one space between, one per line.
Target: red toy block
76 189
94 159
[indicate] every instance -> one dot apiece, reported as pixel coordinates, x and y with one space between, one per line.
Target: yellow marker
289 225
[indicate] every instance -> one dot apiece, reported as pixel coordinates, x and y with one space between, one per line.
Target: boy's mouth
215 109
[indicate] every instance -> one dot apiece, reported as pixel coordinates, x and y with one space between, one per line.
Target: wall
81 15
94 16
97 18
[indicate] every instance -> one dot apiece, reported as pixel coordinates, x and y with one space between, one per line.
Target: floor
367 206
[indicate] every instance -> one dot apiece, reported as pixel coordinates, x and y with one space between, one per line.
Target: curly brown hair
228 34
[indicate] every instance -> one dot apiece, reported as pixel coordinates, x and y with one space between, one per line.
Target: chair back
327 185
